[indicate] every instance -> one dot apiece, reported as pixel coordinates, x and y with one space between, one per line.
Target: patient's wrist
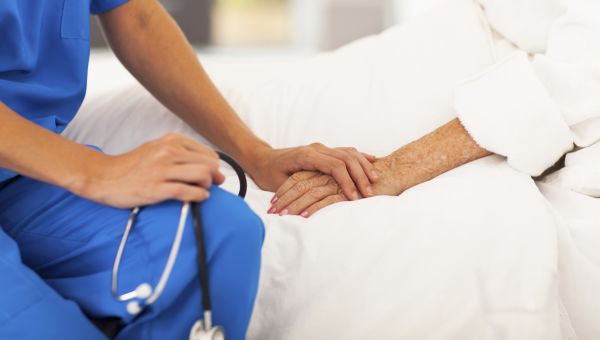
391 181
446 148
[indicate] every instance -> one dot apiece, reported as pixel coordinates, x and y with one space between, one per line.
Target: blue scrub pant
67 246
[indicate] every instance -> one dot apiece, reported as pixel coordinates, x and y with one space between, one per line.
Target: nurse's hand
307 192
172 167
351 169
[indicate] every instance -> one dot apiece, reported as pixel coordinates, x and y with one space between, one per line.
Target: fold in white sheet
532 108
581 172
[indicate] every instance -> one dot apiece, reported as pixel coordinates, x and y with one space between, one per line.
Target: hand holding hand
306 192
351 169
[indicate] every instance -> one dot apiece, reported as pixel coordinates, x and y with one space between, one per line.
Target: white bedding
478 253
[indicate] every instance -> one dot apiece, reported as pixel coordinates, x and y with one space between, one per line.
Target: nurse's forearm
33 151
172 167
155 51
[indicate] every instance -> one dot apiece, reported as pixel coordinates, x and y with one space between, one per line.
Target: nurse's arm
174 167
153 48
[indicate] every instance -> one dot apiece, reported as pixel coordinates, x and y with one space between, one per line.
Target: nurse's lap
71 242
29 309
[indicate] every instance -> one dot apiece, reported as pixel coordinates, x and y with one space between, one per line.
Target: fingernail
272 210
304 214
374 175
274 199
284 212
369 191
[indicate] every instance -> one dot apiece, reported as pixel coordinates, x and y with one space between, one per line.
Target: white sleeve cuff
507 110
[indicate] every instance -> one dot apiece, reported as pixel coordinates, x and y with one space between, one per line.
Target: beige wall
348 20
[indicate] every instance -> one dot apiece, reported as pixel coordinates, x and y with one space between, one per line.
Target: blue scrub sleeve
101 6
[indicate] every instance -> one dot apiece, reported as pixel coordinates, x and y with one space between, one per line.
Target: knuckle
307 152
172 136
338 164
363 181
347 158
149 145
296 177
166 151
158 172
177 192
202 170
211 164
201 195
315 194
301 187
331 182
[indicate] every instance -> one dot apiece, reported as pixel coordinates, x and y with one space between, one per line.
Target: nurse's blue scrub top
44 54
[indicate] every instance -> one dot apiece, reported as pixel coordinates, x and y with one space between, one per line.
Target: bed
481 252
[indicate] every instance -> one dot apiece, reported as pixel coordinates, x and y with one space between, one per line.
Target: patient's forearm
446 148
155 51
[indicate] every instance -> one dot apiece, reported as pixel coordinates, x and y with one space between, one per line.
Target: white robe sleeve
532 109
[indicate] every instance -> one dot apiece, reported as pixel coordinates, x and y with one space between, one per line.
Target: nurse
63 206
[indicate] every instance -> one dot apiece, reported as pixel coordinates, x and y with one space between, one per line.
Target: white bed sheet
478 253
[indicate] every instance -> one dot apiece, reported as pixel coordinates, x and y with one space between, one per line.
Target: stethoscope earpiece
143 291
134 307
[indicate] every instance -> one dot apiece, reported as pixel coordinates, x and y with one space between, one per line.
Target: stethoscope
144 295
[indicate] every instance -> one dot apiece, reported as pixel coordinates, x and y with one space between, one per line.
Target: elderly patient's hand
306 192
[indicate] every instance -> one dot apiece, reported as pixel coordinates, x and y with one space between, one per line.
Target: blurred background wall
295 25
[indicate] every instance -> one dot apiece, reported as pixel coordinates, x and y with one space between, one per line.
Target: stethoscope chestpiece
199 332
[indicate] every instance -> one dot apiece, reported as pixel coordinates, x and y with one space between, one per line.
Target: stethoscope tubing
144 290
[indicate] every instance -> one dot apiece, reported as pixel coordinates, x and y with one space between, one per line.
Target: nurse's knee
238 224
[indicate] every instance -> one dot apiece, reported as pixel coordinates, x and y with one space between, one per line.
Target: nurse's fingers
327 201
183 192
354 168
365 161
171 155
198 174
334 167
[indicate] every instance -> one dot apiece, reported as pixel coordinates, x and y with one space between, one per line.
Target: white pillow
351 97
